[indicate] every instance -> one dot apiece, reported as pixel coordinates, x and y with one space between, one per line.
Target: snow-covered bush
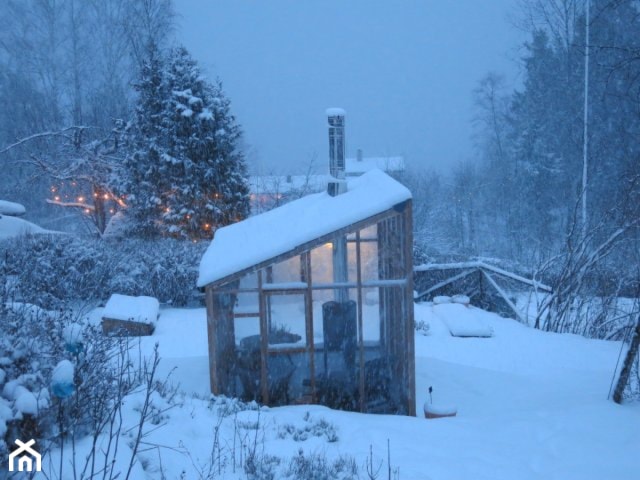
316 466
312 428
52 271
62 381
30 344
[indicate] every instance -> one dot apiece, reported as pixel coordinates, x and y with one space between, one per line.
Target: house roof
354 166
315 182
284 184
259 238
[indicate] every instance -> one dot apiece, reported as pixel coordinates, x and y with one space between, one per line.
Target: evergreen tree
141 170
186 176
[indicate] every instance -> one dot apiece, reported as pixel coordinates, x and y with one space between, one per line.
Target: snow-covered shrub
52 271
30 345
312 428
62 381
316 466
261 467
422 327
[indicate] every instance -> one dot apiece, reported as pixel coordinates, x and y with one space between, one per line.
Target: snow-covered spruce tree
186 176
146 145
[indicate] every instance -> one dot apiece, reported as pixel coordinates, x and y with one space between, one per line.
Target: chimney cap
335 112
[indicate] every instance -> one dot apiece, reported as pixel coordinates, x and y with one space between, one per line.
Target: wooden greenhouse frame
367 366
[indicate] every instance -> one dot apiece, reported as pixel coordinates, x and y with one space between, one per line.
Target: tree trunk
628 363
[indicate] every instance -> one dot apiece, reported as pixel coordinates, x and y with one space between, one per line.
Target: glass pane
247 302
375 384
371 316
247 336
249 281
336 349
352 264
247 327
369 233
284 272
322 264
288 376
385 365
368 257
286 321
391 249
288 365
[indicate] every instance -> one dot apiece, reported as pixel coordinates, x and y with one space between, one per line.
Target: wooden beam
474 265
444 283
502 293
325 286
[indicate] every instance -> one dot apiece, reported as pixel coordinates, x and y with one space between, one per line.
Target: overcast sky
403 70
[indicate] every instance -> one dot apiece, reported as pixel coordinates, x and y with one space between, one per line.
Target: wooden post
305 261
361 385
211 337
409 316
264 340
221 338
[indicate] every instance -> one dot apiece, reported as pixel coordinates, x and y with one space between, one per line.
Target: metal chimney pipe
335 119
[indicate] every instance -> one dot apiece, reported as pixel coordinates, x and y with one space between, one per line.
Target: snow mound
462 321
26 402
62 385
11 227
440 410
133 309
440 299
463 299
11 208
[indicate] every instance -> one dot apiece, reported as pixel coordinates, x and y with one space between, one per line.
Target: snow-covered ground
531 405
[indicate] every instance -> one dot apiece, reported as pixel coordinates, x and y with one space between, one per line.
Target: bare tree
83 163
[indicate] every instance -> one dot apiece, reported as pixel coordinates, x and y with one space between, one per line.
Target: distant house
270 191
357 166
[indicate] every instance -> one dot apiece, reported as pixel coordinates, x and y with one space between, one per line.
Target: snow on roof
332 112
387 164
11 227
283 184
315 182
11 208
261 237
133 309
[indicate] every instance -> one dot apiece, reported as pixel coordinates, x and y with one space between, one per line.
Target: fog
404 72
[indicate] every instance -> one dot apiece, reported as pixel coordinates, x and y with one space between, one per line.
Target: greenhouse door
287 326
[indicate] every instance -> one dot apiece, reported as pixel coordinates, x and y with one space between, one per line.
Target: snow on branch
64 133
82 205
